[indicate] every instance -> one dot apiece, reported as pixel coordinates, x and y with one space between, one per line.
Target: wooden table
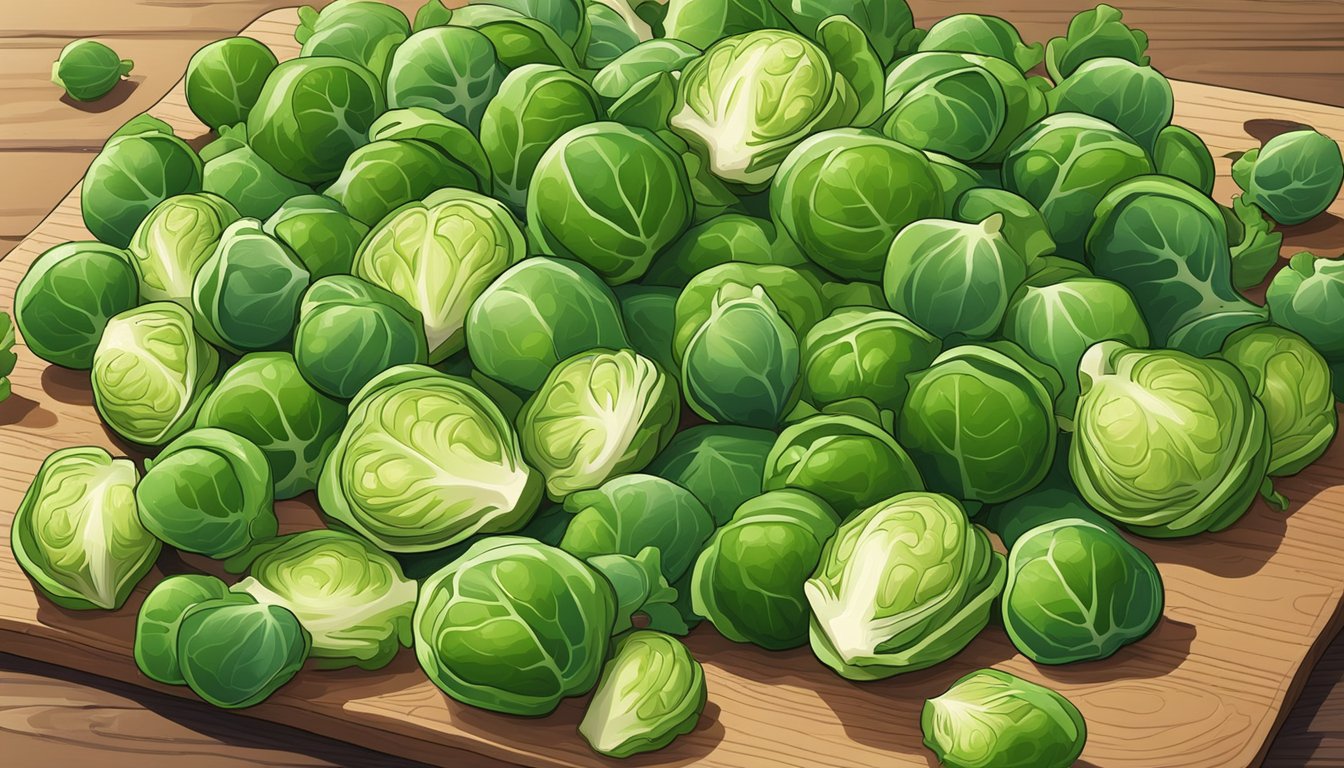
50 715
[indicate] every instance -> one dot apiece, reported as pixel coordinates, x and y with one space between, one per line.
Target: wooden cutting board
1249 610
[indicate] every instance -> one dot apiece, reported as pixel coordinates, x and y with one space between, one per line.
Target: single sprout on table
651 691
88 70
992 718
234 652
1294 177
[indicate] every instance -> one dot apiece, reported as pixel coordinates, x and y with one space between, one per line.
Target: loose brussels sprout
1307 298
792 292
151 373
721 464
649 314
319 231
514 626
67 296
610 197
611 35
541 311
77 534
88 70
174 240
1023 226
848 462
993 718
983 35
1180 154
235 653
350 331
722 239
651 692
1135 99
452 70
246 294
1094 34
1165 443
350 596
140 166
1294 177
160 618
864 352
702 23
440 255
1255 243
903 586
224 79
265 399
598 415
239 175
209 492
748 582
365 33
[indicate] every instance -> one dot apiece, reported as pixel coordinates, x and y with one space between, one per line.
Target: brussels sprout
8 358
649 58
565 17
77 534
885 22
452 70
224 79
836 296
440 255
983 35
160 618
1135 99
651 692
432 14
1255 243
1095 34
993 718
319 231
411 489
598 415
88 70
236 173
67 296
350 596
846 461
350 331
1023 226
702 23
140 166
1294 177
953 278
649 314
721 464
611 35
635 199
235 653
514 626
311 114
1180 154
265 399
864 352
1165 443
174 240
451 138
748 582
1307 298
209 492
365 33
151 373
903 586
728 237
541 311
520 40
381 176
246 295
793 295
642 592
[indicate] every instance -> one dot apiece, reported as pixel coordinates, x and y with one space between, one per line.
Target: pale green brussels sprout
1180 154
174 240
151 373
983 35
246 294
886 22
1294 177
1306 298
238 174
793 294
224 79
411 489
1255 243
702 23
265 399
848 462
77 533
208 492
539 312
1165 443
901 587
234 652
991 718
721 464
514 626
160 618
949 277
88 70
366 33
728 237
649 313
140 166
598 414
1023 226
864 352
452 70
610 37
1094 34
651 691
320 232
609 196
68 295
441 255
1136 99
349 595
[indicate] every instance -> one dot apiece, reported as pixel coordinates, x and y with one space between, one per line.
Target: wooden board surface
1248 609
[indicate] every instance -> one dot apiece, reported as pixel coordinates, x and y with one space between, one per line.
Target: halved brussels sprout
350 331
160 618
68 295
234 652
224 79
651 692
848 462
140 166
89 70
174 240
864 352
721 464
320 232
1294 177
991 718
246 294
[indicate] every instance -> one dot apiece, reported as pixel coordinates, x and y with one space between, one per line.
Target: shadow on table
1311 733
114 98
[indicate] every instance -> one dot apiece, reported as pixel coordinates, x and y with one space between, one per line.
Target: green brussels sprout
349 595
1182 155
67 296
224 79
1294 177
452 70
1094 34
886 22
565 17
89 70
651 692
1133 98
208 492
903 586
265 399
160 618
983 35
8 358
748 582
1023 226
1165 443
949 277
793 294
993 718
646 60
598 415
410 489
520 40
320 232
77 533
955 178
722 239
701 23
366 33
234 652
864 352
635 199
848 462
311 114
1048 270
381 176
246 294
238 174
611 35
514 626
174 241
836 296
140 166
432 14
539 312
649 314
1255 243
151 373
451 138
440 255
1307 298
721 464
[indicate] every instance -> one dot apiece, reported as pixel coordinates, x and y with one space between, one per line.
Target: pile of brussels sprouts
589 321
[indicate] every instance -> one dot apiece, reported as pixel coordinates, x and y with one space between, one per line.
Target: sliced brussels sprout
651 691
993 718
174 240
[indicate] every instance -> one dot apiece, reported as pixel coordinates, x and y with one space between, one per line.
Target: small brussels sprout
224 79
1255 243
651 692
140 166
174 240
234 652
993 718
88 70
941 577
864 352
151 373
246 294
350 331
67 296
320 232
1136 99
598 415
235 172
983 35
387 174
365 33
1294 177
1023 226
160 618
648 59
1306 298
728 237
77 533
452 70
793 293
848 462
1180 154
721 464
649 314
1094 34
